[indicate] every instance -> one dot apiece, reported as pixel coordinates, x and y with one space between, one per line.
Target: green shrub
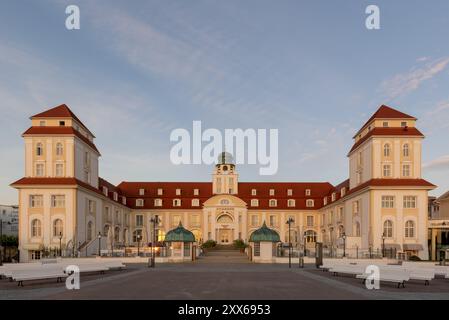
209 244
240 244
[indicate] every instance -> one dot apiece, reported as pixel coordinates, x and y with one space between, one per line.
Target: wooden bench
38 274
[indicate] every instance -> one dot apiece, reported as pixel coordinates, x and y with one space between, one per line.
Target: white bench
347 269
38 274
394 276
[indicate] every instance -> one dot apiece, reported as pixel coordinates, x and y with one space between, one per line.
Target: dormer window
160 192
291 203
158 202
176 202
273 203
289 192
254 203
325 200
253 192
195 202
115 196
124 200
141 192
196 192
333 196
385 124
62 123
308 192
271 192
139 202
310 203
178 192
105 191
403 123
343 192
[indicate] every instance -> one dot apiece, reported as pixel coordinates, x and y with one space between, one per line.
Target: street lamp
99 244
289 222
343 235
305 241
138 244
154 221
383 245
60 244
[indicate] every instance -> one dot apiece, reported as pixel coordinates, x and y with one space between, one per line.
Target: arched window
36 228
137 233
310 236
357 230
405 150
224 219
197 234
105 230
57 228
59 149
388 229
89 231
161 235
117 234
39 149
386 150
409 229
224 202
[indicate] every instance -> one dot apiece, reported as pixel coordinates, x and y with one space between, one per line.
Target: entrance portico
225 218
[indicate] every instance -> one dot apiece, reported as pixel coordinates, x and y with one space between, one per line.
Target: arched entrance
225 232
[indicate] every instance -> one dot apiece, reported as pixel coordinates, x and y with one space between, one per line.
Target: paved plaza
199 281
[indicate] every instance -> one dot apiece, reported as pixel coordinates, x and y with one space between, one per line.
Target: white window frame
387 201
254 202
409 202
310 203
140 202
272 203
291 203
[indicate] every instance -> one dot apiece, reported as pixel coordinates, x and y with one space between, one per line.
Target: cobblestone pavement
221 281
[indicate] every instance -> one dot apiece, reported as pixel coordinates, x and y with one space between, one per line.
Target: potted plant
208 244
240 244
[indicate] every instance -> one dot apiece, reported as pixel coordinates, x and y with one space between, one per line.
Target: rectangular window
139 220
385 124
42 123
273 203
195 220
59 170
39 170
254 203
271 192
91 206
176 202
257 249
36 201
291 203
253 192
58 201
158 202
273 221
175 220
406 170
310 221
196 192
403 124
309 203
61 123
141 192
289 192
254 220
387 170
195 202
387 202
308 192
139 202
160 192
409 202
178 192
355 207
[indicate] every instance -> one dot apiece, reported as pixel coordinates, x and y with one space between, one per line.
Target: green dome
264 234
179 234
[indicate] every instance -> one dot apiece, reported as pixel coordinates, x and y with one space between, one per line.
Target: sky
136 70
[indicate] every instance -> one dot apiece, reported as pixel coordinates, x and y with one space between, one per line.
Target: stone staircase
223 254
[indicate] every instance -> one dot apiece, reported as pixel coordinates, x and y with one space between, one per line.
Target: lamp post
60 244
154 221
99 244
138 244
383 245
344 244
289 222
305 241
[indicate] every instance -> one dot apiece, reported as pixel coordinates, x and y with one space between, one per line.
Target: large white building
383 204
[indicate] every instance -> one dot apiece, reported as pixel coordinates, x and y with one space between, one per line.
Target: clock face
225 168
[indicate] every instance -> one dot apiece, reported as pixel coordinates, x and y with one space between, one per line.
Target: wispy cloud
440 163
404 83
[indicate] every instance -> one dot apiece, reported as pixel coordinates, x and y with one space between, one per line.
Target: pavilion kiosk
180 244
263 243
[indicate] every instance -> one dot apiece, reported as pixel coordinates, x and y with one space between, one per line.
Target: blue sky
137 70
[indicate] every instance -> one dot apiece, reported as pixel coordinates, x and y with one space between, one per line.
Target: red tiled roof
386 183
381 131
386 112
318 190
59 131
61 111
